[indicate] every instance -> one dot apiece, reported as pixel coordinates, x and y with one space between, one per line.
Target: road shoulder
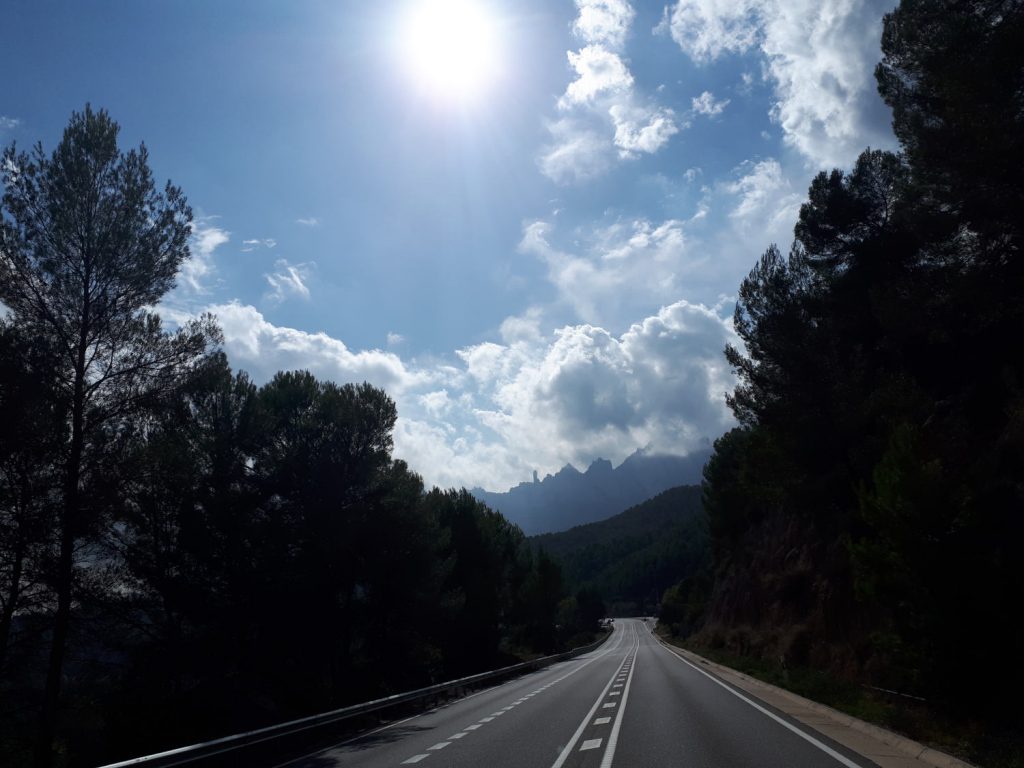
883 747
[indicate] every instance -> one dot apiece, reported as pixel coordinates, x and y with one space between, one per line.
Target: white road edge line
805 736
590 715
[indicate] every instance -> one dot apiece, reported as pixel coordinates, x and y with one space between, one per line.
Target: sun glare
450 47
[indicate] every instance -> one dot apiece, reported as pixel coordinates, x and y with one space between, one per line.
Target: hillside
571 498
631 558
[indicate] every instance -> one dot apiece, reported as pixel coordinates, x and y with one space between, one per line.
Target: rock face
570 497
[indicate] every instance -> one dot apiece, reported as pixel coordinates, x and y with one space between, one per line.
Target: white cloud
639 129
525 327
606 117
617 270
256 345
599 71
705 104
8 123
603 21
577 153
585 392
538 400
819 56
436 403
204 240
394 339
309 221
765 192
253 243
289 281
706 29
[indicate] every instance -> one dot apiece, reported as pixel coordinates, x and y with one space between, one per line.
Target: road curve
631 703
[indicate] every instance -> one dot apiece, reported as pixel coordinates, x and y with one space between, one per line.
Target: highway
631 703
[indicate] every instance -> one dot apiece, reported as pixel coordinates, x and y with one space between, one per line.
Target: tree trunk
13 593
69 522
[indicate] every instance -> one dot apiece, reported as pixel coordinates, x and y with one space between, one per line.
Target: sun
450 47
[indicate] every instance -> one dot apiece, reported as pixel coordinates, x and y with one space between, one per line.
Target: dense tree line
866 515
184 553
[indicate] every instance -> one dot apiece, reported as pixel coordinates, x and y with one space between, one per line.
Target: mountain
571 497
632 558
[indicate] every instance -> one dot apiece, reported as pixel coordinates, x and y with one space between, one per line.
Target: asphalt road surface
631 703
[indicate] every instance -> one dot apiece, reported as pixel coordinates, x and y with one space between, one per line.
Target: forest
865 517
185 554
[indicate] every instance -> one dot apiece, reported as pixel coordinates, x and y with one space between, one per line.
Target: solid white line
805 736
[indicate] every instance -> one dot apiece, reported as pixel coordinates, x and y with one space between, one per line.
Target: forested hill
571 497
631 558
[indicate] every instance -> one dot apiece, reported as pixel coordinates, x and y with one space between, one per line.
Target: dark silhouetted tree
87 247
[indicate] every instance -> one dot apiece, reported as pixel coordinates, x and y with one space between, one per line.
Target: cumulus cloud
288 281
586 393
819 56
641 129
606 118
764 192
705 104
205 238
618 269
308 221
603 21
262 348
598 71
535 400
394 339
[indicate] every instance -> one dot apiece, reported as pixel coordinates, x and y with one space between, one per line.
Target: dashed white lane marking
472 727
591 744
439 745
613 737
457 736
615 693
499 713
486 719
415 759
602 721
568 749
609 705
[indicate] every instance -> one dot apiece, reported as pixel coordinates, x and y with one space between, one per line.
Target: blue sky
534 251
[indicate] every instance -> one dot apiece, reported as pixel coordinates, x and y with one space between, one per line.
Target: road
631 703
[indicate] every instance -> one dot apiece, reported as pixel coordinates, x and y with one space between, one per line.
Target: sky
527 220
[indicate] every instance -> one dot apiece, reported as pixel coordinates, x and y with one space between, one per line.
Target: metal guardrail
194 752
